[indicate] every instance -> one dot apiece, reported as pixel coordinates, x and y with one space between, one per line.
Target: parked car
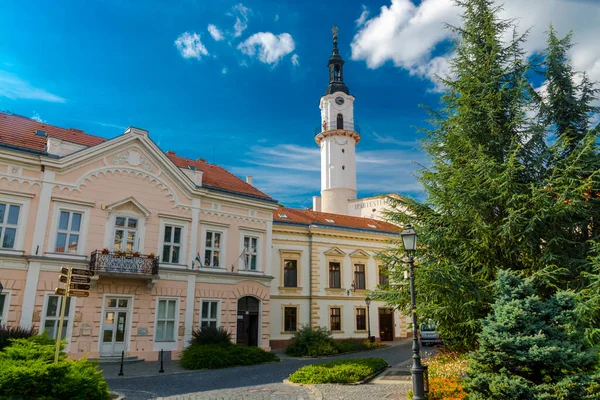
429 335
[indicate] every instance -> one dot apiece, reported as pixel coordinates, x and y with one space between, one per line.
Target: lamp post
409 241
368 303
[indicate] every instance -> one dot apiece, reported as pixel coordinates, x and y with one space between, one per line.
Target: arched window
336 72
340 121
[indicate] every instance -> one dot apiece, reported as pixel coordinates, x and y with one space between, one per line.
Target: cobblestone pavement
244 383
362 392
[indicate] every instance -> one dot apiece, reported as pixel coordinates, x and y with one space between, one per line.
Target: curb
119 396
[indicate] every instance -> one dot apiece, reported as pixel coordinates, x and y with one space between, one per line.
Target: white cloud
276 17
37 117
406 34
224 70
271 48
363 16
13 87
295 60
388 139
215 32
241 14
190 46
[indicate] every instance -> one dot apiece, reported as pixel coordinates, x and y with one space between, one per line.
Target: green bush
340 371
28 371
211 335
309 341
13 332
531 348
347 346
197 356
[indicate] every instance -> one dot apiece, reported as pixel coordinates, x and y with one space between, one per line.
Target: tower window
343 150
340 121
336 72
343 167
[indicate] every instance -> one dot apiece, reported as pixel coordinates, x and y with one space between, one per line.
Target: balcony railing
334 125
119 263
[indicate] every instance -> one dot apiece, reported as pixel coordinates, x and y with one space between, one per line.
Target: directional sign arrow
79 286
60 291
64 270
80 279
84 272
62 279
79 293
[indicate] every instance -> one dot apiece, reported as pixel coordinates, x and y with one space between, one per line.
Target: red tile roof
16 130
215 176
308 217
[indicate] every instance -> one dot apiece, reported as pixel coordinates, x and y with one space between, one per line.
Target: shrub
347 346
310 341
340 371
28 371
212 356
211 335
13 332
530 347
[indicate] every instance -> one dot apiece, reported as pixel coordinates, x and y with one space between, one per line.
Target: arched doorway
247 321
340 121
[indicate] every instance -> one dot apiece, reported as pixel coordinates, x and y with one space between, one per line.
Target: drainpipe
309 276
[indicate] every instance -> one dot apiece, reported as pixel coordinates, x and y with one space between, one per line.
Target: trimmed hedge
340 371
211 356
28 371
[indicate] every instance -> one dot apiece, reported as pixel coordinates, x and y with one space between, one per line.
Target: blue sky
239 83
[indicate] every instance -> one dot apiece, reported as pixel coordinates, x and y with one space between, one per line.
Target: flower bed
340 371
446 370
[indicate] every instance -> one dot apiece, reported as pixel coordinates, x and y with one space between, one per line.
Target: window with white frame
165 320
251 252
52 316
212 249
68 232
3 308
125 234
172 244
209 313
9 220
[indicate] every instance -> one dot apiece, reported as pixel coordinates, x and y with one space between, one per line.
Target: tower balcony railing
334 125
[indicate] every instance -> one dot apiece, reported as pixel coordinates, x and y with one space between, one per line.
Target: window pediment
128 204
359 254
334 252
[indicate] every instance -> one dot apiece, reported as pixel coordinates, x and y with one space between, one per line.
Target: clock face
339 100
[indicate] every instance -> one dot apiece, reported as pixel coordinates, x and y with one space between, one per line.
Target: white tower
337 138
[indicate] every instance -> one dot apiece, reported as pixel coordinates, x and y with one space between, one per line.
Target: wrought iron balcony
118 263
334 125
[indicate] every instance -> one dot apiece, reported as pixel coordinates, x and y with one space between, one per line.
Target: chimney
249 179
316 203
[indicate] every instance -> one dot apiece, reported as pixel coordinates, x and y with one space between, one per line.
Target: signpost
76 284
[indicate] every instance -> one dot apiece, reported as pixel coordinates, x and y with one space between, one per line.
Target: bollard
161 361
122 359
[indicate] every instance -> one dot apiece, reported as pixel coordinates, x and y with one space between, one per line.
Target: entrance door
114 326
247 321
386 324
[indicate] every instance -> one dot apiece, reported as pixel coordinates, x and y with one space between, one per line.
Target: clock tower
337 136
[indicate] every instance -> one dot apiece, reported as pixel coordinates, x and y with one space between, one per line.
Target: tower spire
336 68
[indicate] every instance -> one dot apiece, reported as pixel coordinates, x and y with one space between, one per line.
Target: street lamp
409 241
368 303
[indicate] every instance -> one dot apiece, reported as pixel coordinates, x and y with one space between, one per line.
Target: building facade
323 266
174 243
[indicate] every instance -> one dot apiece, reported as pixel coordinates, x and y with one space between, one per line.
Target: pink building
175 244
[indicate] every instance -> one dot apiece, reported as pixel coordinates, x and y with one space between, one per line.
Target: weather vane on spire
335 31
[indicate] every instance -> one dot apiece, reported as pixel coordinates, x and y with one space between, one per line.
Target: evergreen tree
530 348
498 196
